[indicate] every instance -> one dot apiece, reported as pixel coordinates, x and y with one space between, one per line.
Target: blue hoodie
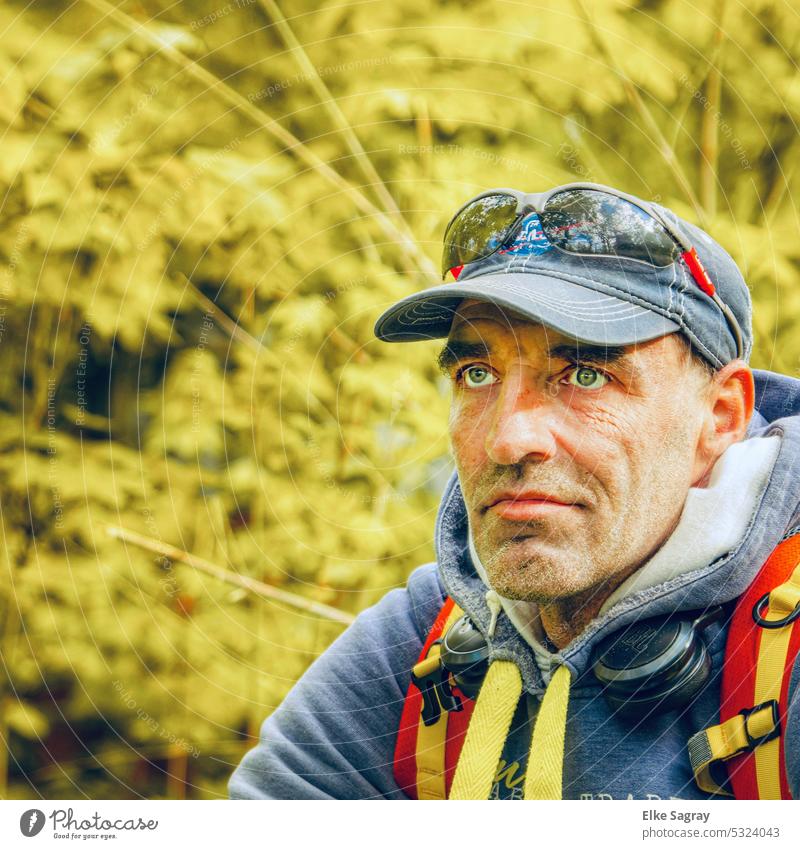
333 737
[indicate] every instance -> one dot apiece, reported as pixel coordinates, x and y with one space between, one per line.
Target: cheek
598 438
468 426
613 446
649 454
467 434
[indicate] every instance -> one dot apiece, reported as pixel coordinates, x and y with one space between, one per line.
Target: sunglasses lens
478 230
596 223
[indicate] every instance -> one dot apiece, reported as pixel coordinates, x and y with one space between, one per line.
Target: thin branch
782 179
234 329
632 92
274 13
776 195
254 586
709 130
709 144
290 142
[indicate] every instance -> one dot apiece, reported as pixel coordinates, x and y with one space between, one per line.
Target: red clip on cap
456 270
698 272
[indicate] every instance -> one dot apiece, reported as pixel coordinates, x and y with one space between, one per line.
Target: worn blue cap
593 299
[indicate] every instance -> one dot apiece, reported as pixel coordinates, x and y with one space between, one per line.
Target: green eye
586 377
476 376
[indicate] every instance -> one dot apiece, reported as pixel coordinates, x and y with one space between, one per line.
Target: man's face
574 461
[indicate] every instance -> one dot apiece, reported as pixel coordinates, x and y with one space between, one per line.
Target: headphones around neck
655 663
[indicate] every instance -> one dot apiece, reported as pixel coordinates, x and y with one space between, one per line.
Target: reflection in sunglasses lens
583 221
478 230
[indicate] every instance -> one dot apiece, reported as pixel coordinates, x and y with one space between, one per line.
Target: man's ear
730 402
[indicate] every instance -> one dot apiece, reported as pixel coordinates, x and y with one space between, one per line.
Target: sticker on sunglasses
530 240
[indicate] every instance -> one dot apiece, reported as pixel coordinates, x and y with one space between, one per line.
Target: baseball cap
599 300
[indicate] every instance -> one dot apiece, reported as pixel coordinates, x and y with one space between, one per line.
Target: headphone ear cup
694 681
465 655
656 664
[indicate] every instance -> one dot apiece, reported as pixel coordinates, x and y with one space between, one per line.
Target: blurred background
208 465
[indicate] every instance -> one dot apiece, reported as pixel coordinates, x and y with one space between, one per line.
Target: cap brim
570 308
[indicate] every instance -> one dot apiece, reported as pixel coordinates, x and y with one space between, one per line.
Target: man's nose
523 420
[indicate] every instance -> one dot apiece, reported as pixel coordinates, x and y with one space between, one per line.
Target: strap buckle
709 748
433 681
775 731
758 618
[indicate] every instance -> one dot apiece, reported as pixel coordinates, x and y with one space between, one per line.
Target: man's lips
528 505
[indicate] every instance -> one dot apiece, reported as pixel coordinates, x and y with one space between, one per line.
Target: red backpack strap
426 752
763 642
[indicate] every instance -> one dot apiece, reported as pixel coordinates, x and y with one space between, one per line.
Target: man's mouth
528 505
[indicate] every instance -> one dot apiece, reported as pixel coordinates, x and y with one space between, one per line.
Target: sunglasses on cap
583 219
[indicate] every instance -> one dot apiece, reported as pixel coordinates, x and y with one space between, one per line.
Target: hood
725 569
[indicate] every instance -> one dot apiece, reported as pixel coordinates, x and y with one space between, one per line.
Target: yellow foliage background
205 206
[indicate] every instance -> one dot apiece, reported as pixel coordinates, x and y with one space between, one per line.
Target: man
620 471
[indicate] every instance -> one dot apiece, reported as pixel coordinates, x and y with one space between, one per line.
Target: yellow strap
785 598
770 669
721 742
544 774
431 739
487 732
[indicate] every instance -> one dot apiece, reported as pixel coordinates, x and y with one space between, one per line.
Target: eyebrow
456 350
600 354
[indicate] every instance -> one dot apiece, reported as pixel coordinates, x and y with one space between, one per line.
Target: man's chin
541 593
529 573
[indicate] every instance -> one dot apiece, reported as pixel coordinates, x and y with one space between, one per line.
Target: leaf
26 720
